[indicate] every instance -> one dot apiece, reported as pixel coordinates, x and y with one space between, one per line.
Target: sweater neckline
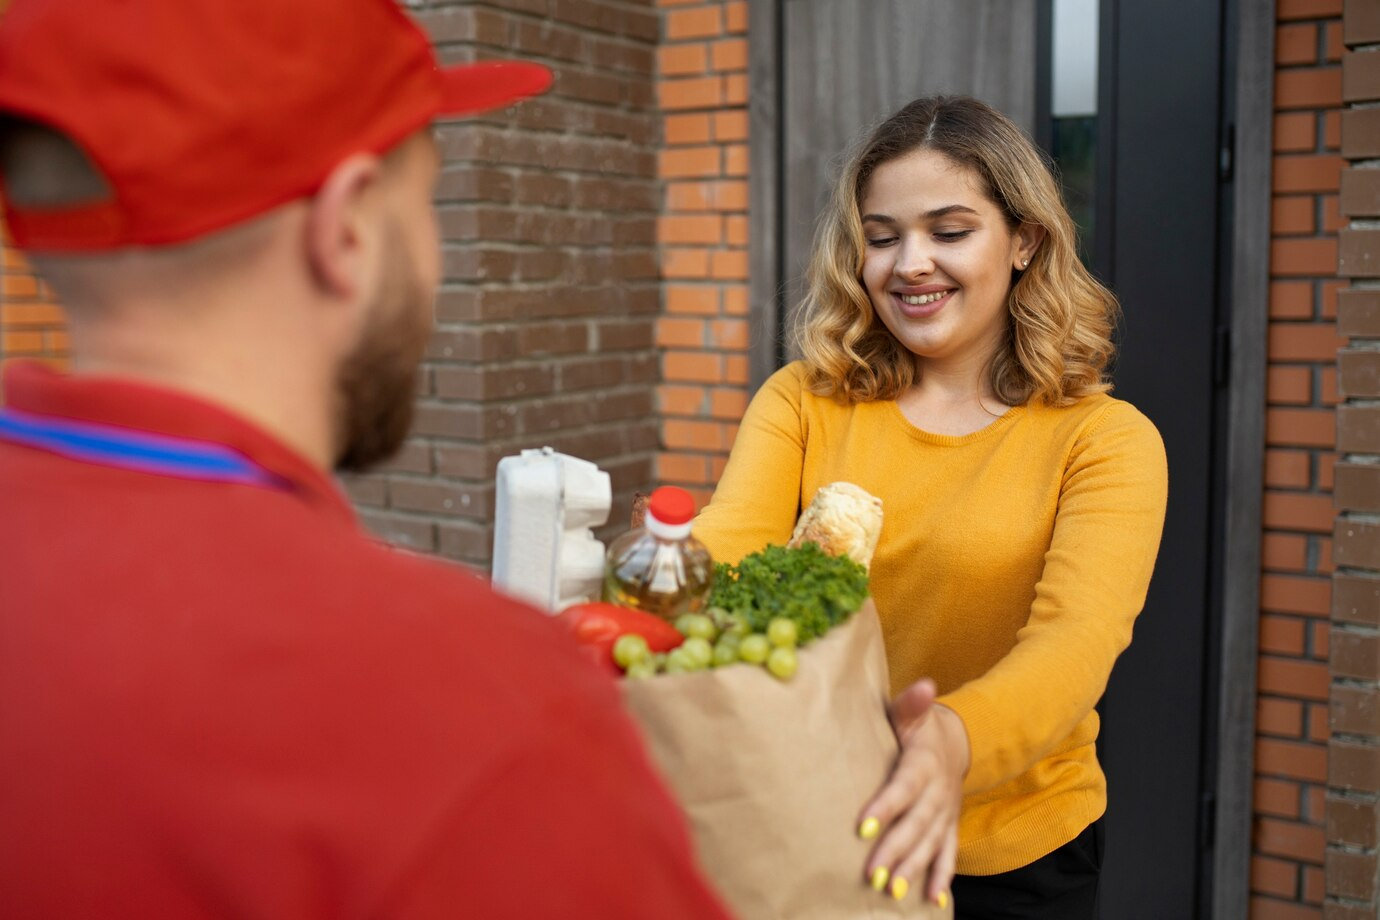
956 440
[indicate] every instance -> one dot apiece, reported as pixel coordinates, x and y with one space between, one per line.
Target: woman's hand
916 810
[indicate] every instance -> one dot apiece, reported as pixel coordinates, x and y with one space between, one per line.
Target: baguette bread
842 519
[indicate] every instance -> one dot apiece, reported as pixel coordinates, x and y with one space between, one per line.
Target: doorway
1155 160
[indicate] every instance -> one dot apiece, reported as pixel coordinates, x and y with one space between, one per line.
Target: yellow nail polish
869 828
943 900
899 887
879 877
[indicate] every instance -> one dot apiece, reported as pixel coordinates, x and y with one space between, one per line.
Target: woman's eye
880 241
951 236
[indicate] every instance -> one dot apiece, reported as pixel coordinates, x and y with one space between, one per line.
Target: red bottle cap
671 505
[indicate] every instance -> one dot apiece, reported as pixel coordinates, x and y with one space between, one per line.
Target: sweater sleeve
757 499
1106 535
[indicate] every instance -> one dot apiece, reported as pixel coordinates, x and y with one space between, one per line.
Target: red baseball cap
204 113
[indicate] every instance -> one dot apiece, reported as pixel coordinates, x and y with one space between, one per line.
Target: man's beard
377 383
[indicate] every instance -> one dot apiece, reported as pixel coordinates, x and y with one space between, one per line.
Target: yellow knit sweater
1011 566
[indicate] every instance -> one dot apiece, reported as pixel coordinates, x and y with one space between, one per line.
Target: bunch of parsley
804 584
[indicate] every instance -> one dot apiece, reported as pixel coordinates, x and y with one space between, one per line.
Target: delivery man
217 697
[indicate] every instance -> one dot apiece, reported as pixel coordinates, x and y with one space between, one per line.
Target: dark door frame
1248 79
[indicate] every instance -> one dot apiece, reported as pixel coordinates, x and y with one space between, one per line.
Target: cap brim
470 88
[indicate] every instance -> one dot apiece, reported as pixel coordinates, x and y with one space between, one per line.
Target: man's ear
335 229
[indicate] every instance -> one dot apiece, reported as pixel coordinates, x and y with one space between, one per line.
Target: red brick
736 300
1295 132
731 126
1332 219
1321 173
1303 257
1289 386
32 314
679 434
692 299
1294 841
683 468
1332 130
1304 342
681 230
1318 729
687 129
1287 469
1279 717
680 400
728 404
1293 214
1274 876
1286 10
1296 44
1333 44
1327 299
687 162
21 286
1290 511
680 333
1284 552
691 93
730 54
1310 88
1271 909
1325 566
702 22
1301 427
736 17
736 155
1291 300
1279 798
1326 462
729 334
1313 885
693 367
1285 677
730 265
1292 594
685 263
682 60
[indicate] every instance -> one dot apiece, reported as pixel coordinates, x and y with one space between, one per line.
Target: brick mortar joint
1355 740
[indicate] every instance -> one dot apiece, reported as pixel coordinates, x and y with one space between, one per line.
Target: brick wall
1292 721
703 232
31 325
1354 746
545 321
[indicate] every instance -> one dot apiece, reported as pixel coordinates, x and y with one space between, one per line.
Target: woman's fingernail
942 900
869 828
899 887
879 877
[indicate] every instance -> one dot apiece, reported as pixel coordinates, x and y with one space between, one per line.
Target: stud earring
1025 263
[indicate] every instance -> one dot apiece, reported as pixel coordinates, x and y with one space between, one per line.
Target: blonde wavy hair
1058 340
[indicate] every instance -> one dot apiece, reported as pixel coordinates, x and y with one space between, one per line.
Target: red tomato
597 625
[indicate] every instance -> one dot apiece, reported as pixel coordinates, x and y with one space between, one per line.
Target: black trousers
1060 886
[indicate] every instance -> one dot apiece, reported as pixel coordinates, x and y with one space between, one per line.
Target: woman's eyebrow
935 214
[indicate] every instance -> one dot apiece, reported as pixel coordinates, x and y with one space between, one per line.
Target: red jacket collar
36 388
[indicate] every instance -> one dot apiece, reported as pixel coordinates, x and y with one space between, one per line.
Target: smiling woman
954 351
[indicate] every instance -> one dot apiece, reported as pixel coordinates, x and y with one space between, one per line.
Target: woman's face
938 258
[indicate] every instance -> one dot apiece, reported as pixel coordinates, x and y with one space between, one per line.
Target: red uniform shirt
222 700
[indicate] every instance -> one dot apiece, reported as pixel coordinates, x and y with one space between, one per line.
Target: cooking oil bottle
659 567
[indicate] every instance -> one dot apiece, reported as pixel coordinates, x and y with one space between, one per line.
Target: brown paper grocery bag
772 775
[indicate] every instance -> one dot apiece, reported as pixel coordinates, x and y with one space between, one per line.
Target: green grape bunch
759 612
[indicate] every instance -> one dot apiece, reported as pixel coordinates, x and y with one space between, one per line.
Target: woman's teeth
916 300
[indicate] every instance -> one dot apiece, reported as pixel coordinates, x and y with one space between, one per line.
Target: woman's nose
913 261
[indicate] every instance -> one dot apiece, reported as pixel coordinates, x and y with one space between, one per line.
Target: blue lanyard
160 455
